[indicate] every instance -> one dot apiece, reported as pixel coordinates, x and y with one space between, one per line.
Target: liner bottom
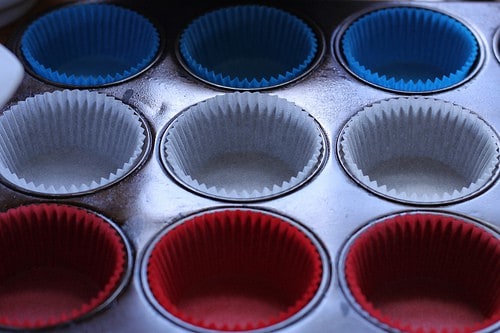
67 167
427 304
93 66
233 302
418 175
252 67
243 171
410 71
44 292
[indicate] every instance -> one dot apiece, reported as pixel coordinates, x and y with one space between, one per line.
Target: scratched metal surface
332 206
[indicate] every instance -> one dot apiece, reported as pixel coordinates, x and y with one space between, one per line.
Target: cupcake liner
58 264
233 270
90 45
69 142
248 47
426 272
420 150
409 49
243 146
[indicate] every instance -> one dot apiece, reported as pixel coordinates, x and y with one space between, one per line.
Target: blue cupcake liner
248 47
90 45
409 49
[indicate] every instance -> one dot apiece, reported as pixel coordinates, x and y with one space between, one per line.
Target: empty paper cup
69 142
243 146
425 273
248 47
90 45
232 270
420 150
58 264
409 49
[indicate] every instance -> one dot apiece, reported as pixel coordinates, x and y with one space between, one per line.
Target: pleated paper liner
69 142
59 264
409 49
248 47
232 270
425 272
243 146
90 45
420 150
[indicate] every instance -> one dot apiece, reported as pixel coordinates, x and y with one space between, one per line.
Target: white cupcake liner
420 150
243 146
69 142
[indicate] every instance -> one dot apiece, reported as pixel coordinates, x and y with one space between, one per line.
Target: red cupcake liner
426 272
234 270
57 264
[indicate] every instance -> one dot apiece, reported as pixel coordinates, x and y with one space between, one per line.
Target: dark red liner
57 263
234 270
426 273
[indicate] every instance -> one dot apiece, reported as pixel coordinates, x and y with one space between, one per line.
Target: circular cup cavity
409 49
89 45
233 270
249 47
420 150
424 272
59 264
496 44
243 146
70 142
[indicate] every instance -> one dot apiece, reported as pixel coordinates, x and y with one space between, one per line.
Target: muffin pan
319 250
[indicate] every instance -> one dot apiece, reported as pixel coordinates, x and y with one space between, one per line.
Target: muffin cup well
69 142
424 272
420 150
248 47
233 270
243 146
409 49
59 264
89 45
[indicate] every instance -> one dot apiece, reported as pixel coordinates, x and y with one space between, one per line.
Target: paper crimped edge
196 235
87 11
438 21
26 221
57 104
447 113
417 230
267 16
221 108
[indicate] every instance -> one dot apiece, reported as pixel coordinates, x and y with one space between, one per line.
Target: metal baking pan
331 205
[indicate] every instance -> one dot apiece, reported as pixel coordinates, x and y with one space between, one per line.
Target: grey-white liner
420 150
69 142
243 146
